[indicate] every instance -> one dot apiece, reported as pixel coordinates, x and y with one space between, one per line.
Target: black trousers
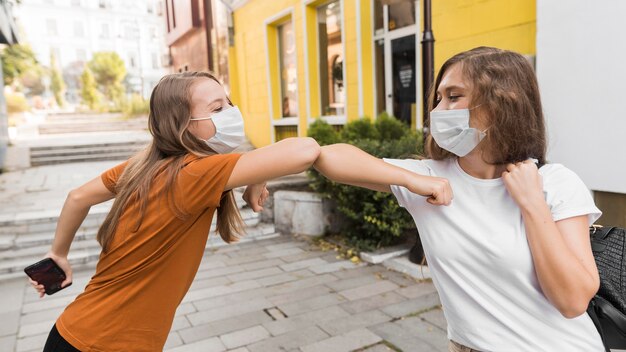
56 343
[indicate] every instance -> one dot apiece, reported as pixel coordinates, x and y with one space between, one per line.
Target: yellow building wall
460 25
457 25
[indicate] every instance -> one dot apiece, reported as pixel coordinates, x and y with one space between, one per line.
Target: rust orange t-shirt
130 302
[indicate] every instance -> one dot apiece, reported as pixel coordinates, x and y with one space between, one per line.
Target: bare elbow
574 309
310 150
75 196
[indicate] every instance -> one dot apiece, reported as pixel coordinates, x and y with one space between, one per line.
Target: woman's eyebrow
452 87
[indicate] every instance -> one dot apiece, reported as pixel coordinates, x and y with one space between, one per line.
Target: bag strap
591 310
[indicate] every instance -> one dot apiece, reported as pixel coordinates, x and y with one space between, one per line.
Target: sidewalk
272 294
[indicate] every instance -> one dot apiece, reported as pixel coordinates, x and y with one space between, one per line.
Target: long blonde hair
170 111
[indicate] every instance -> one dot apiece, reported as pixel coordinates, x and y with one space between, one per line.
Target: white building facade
73 30
581 72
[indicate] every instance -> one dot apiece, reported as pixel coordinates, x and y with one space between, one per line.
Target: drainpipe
208 26
428 60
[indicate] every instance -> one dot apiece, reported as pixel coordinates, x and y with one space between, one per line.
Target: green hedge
371 219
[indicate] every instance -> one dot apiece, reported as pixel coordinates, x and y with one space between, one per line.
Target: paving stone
7 343
220 327
173 340
31 343
299 284
354 322
435 317
332 267
381 347
226 300
283 252
180 322
244 337
367 291
44 315
220 290
46 303
374 302
299 295
403 338
360 271
210 282
221 313
284 277
263 264
432 334
305 320
417 290
35 328
302 256
412 306
205 274
209 345
282 246
345 284
10 322
302 264
185 308
255 274
308 305
344 343
243 259
248 252
290 340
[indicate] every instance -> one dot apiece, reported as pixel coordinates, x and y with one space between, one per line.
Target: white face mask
229 132
451 131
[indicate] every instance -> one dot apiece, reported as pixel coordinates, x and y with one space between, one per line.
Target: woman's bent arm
348 164
289 156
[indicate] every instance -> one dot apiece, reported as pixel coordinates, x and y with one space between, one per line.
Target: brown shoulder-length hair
505 91
169 117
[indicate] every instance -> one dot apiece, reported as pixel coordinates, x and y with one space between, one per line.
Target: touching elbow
310 151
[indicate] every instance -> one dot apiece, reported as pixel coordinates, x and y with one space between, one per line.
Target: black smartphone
47 273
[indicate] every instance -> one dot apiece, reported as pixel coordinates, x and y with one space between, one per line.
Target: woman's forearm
72 216
564 279
345 163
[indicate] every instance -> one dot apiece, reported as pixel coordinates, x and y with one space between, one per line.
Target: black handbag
608 308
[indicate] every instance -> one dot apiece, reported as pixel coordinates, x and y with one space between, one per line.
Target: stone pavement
277 294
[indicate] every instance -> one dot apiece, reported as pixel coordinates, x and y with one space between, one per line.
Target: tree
109 71
16 60
57 85
88 90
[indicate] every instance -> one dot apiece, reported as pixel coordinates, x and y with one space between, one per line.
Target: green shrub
16 103
370 219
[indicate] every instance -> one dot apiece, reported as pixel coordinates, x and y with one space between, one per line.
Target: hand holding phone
48 273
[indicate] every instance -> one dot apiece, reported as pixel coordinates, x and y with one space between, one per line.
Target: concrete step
15 245
86 253
41 161
85 150
91 126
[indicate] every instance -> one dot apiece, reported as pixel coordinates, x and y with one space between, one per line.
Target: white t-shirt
481 263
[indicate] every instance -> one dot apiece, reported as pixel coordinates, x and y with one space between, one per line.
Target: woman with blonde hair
154 236
510 256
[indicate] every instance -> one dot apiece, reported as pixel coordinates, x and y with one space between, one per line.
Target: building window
102 4
160 8
76 3
150 7
401 14
288 70
79 29
332 87
51 26
155 61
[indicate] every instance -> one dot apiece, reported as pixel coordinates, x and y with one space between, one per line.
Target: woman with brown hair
154 237
511 255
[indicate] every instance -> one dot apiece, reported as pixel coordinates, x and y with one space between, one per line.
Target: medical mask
229 132
451 131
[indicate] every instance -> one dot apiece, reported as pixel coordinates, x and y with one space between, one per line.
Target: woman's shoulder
558 175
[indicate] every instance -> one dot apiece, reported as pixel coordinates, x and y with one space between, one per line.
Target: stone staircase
60 154
90 122
25 240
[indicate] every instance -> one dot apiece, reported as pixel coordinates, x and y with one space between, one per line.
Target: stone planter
300 213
